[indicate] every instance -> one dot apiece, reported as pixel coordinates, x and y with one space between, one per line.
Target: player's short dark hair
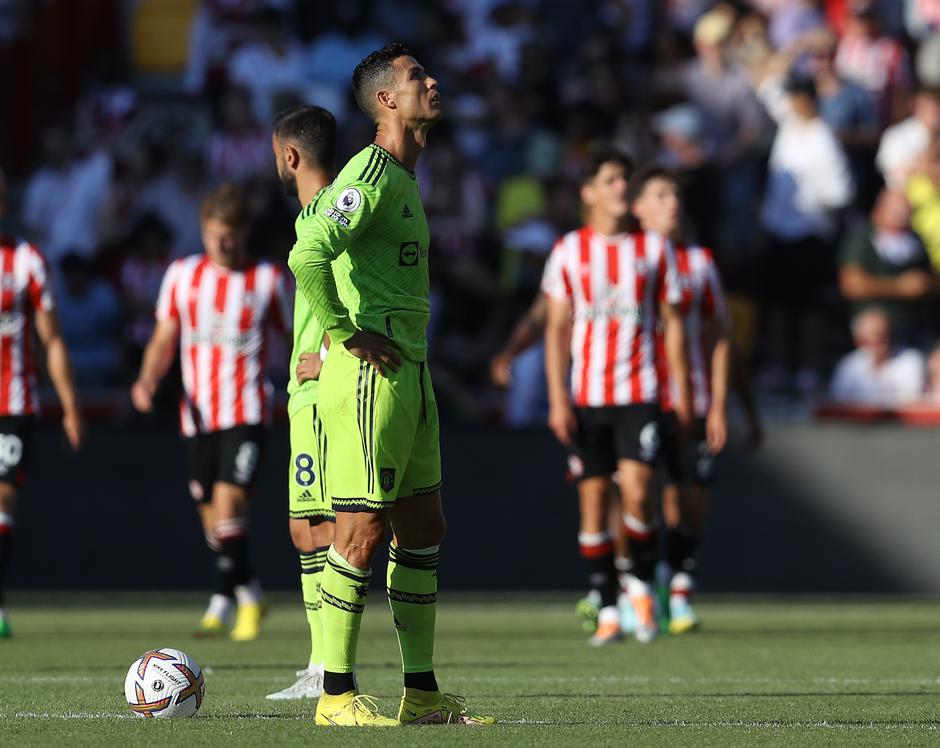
596 159
375 73
312 130
226 203
646 174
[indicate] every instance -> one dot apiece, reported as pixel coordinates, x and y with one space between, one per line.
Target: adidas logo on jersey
406 212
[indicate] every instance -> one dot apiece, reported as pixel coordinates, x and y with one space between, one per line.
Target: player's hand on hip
74 426
375 350
142 396
716 430
562 422
308 367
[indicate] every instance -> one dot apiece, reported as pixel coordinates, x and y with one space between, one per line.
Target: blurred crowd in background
805 134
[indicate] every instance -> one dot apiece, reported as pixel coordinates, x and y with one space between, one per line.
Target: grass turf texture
760 672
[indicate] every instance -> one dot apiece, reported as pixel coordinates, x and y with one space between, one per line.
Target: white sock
220 606
608 614
248 594
637 587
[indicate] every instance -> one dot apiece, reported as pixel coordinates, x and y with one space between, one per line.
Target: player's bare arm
158 358
677 359
528 331
60 372
561 418
716 421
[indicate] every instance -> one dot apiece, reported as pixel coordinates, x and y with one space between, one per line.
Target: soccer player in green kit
304 143
361 261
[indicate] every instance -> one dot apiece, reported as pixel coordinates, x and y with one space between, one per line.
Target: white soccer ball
164 683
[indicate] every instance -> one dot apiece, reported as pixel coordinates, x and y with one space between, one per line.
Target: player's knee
300 536
436 530
323 534
428 531
358 541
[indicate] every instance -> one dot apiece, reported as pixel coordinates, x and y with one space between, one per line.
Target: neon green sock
311 568
412 593
343 590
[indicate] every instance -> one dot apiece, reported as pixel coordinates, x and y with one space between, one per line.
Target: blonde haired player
217 309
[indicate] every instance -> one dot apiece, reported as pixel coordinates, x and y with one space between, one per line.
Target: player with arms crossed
304 144
218 308
361 260
26 304
607 290
688 458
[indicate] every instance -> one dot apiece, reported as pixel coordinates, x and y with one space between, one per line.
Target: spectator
731 116
140 276
932 393
174 196
732 123
809 180
808 184
90 315
46 185
923 191
905 143
239 148
877 373
271 64
843 104
878 63
883 264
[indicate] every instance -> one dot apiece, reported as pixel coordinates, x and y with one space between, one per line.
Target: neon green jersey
372 223
308 332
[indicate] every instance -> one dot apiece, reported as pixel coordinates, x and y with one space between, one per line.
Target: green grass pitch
761 672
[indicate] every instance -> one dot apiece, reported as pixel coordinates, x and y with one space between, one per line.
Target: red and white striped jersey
701 300
880 66
225 317
25 288
615 285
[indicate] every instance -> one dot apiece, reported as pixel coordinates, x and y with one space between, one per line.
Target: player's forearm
557 361
60 372
527 332
314 273
677 358
158 358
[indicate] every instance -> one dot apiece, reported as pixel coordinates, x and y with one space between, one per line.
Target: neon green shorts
308 496
383 433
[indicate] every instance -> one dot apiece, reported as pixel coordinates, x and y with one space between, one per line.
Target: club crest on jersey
349 200
387 478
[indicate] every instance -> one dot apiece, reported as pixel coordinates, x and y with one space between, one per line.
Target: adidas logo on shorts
406 212
305 496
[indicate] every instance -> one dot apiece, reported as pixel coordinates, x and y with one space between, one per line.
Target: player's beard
288 183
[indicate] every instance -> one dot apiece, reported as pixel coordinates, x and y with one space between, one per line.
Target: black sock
597 550
422 681
233 565
641 540
338 683
681 547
